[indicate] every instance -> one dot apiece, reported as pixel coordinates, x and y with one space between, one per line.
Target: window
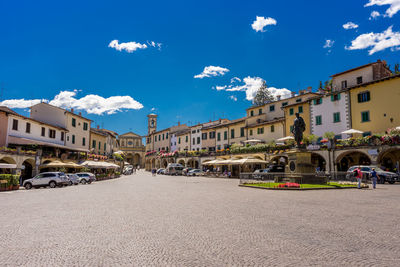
198 140
359 80
298 100
367 134
94 144
105 146
159 137
179 140
344 84
212 135
187 138
364 97
225 135
260 130
301 109
252 113
284 104
62 136
272 128
335 97
318 101
15 125
218 136
194 131
251 132
73 139
318 120
43 131
204 136
52 133
99 145
163 136
336 117
232 133
271 108
85 126
194 141
198 130
83 141
28 128
68 138
166 136
291 111
260 111
364 116
242 132
73 122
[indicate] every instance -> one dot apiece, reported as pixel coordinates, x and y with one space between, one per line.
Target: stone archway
182 162
279 160
164 163
345 160
389 159
28 169
192 163
318 161
136 160
7 160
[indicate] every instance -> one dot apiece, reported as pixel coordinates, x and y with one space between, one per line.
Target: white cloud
21 103
374 15
378 41
212 71
92 104
152 109
391 11
260 23
132 46
250 85
328 43
350 25
234 98
235 79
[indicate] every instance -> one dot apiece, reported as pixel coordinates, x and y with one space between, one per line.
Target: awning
285 138
26 141
8 166
60 164
99 165
352 131
248 161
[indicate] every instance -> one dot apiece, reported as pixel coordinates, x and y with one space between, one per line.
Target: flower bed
330 185
9 182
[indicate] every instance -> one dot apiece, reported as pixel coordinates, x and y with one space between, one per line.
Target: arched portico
346 159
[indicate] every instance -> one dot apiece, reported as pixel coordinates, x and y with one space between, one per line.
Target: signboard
373 152
313 147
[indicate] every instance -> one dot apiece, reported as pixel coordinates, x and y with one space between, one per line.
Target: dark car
258 174
384 176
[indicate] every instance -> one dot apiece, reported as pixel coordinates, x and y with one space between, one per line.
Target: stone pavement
140 220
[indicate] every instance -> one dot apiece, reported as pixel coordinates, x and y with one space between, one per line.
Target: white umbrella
352 131
252 141
249 161
8 166
285 138
398 128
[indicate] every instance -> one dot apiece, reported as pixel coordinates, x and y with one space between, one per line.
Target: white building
330 113
196 137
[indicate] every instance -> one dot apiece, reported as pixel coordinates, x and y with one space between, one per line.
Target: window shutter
332 99
315 101
338 96
368 96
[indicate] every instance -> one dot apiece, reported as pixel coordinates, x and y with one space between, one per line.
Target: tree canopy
263 96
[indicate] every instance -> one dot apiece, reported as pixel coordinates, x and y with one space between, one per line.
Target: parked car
385 176
86 177
51 179
186 170
160 171
195 172
174 169
271 169
72 178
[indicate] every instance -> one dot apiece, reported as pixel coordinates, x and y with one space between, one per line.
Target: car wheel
83 181
391 182
89 182
70 183
52 184
28 186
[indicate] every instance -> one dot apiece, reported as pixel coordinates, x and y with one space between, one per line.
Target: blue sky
48 47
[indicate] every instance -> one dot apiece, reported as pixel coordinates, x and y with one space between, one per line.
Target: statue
299 126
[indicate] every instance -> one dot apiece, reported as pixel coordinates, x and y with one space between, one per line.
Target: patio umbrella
8 166
352 131
250 161
285 138
72 165
54 164
212 162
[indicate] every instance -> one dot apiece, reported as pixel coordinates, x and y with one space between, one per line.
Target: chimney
179 123
278 97
293 94
98 127
309 89
384 62
72 110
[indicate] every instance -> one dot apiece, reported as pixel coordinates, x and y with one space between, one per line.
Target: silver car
86 177
51 179
72 178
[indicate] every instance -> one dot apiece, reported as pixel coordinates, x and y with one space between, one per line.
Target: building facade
132 146
98 142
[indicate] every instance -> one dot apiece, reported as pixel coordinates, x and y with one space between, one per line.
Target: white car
86 177
51 179
195 172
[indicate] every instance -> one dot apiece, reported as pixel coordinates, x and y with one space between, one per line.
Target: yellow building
98 142
183 140
303 108
374 105
267 131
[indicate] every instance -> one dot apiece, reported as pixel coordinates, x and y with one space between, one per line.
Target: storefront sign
313 147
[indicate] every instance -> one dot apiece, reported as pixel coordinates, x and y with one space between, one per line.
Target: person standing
374 177
358 176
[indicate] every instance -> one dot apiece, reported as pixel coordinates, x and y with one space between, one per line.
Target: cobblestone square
140 220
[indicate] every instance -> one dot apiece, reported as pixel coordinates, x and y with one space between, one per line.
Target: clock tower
151 123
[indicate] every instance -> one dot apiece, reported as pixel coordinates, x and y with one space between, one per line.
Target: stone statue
299 126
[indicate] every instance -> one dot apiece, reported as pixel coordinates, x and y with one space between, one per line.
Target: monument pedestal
300 169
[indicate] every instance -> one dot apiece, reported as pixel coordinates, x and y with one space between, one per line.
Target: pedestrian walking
153 172
374 177
358 175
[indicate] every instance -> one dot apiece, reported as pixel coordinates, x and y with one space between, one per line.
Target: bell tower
151 123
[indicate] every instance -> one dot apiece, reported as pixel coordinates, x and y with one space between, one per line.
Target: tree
263 96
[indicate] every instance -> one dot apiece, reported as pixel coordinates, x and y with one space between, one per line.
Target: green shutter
332 99
338 96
